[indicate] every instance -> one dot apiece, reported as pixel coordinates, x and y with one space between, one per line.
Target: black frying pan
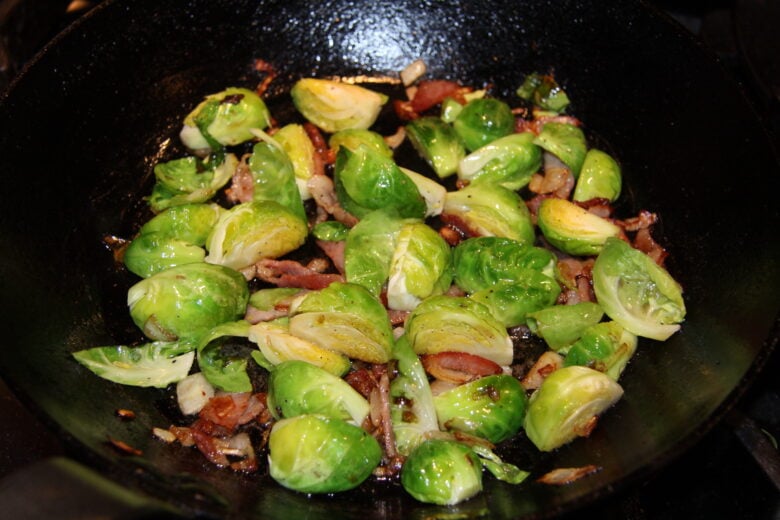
83 124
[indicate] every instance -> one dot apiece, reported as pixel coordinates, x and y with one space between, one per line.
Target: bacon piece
322 154
577 276
397 317
644 220
428 94
289 273
644 242
597 206
232 410
459 367
535 125
547 363
242 186
270 75
557 179
324 193
335 251
563 476
254 315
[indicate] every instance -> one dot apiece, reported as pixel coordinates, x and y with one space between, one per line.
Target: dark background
732 472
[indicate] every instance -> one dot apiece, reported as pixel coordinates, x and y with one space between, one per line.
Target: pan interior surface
85 123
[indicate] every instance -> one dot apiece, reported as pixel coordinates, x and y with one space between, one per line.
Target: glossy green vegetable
437 143
300 151
298 388
482 121
442 472
492 407
510 302
354 137
566 403
319 454
572 229
543 91
566 142
224 370
491 210
366 180
420 266
369 249
345 318
334 106
268 298
509 161
636 292
251 231
562 325
600 177
431 191
156 364
224 119
483 262
151 253
189 222
606 347
189 180
274 177
186 301
330 231
447 323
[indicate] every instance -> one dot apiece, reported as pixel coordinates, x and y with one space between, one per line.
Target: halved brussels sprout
352 139
190 180
455 324
298 388
277 345
509 161
150 253
366 180
566 142
562 325
543 91
268 298
186 301
492 407
224 119
491 210
369 250
482 262
636 292
482 121
224 370
300 150
599 178
431 191
606 347
510 302
189 222
156 364
345 318
572 229
330 231
437 143
251 231
564 407
274 177
319 454
334 106
442 472
419 268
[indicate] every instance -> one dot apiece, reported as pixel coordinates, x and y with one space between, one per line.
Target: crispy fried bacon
547 363
427 95
289 273
557 179
578 280
270 75
242 186
233 410
324 193
563 476
458 367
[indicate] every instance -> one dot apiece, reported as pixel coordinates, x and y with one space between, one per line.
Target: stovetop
720 477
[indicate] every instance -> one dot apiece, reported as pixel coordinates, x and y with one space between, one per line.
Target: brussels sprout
224 119
151 253
334 106
442 472
450 109
319 454
564 407
411 404
482 121
431 191
274 178
251 231
186 301
606 347
189 180
330 231
566 142
447 323
483 262
437 143
510 302
366 181
562 325
491 210
156 364
224 370
267 299
300 150
369 250
636 292
492 407
599 178
298 388
543 91
278 345
509 161
419 268
572 229
503 471
346 318
189 222
352 139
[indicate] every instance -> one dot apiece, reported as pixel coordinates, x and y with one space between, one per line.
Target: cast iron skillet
82 127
